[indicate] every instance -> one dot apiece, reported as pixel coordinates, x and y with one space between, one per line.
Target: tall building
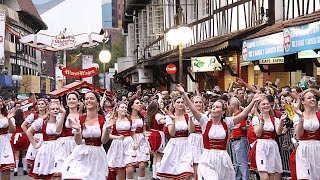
117 13
107 14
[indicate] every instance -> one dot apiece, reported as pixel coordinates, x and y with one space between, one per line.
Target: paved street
21 177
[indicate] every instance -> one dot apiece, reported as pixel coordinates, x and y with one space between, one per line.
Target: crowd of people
180 135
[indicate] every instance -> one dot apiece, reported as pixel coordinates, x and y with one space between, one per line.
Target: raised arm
60 122
251 88
192 107
106 130
298 129
247 110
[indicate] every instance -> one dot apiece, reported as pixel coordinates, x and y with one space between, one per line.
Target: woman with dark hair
66 141
156 119
177 159
44 162
7 125
122 153
143 149
41 108
88 160
19 142
107 107
215 162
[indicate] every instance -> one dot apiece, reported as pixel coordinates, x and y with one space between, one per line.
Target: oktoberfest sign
76 73
60 43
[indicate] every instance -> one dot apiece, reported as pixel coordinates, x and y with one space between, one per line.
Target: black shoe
25 173
15 174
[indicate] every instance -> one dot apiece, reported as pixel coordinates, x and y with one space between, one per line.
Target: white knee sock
154 171
157 167
17 164
141 178
25 164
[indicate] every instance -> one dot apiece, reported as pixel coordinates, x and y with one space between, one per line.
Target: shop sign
205 64
171 69
307 54
63 43
134 79
79 73
145 75
263 47
283 76
23 96
278 60
304 37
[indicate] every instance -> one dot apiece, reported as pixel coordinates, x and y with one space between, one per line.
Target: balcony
9 46
11 14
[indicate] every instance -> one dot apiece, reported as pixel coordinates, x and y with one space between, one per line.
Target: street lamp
178 35
104 57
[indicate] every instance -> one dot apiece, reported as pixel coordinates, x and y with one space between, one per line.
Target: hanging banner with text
205 64
299 38
79 73
145 75
2 35
270 46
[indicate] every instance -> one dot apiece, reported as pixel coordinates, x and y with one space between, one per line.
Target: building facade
219 29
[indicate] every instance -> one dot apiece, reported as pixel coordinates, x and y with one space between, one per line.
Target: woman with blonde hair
41 109
215 162
266 127
122 152
304 160
44 162
195 137
177 159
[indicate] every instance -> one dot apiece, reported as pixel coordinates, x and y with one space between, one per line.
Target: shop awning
77 85
6 81
126 72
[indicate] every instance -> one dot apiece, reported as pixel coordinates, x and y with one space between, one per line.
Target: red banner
77 73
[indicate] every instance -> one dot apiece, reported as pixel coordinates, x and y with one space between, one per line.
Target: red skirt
19 142
252 157
154 140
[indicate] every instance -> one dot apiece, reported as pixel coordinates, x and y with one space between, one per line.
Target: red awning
77 85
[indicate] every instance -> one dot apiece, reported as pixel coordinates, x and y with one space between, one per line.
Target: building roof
77 85
278 27
28 12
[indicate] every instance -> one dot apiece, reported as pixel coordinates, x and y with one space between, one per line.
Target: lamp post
104 57
179 34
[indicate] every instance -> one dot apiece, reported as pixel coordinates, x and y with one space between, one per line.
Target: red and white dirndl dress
89 160
65 146
32 152
177 160
305 159
267 154
44 162
157 139
7 160
143 151
19 140
196 141
121 154
215 162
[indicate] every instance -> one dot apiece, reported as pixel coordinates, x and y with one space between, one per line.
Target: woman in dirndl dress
7 125
177 160
195 137
304 160
44 162
122 152
66 142
156 119
143 148
33 117
215 162
19 142
266 128
88 160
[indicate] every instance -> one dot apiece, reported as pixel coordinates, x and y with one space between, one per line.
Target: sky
78 16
